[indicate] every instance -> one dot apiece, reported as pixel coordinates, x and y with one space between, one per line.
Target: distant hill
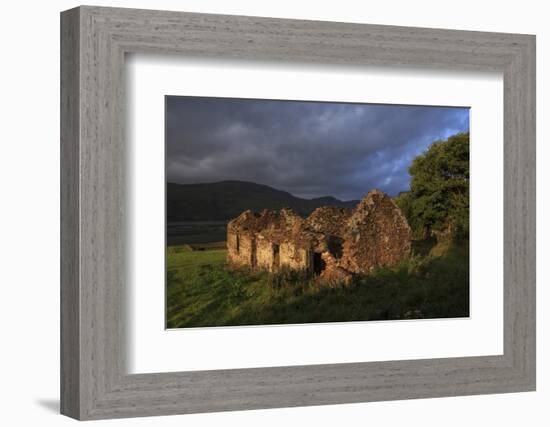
220 201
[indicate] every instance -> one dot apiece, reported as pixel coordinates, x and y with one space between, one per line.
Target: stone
377 234
332 243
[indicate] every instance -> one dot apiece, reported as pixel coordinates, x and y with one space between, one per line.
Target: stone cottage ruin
333 243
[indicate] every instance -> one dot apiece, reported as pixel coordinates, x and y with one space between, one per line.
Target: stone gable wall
377 235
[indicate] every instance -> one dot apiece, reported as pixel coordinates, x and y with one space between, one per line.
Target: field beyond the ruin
202 291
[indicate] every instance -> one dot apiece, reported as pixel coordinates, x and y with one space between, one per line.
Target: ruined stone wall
267 254
377 234
241 239
328 220
243 250
333 273
232 245
295 257
333 243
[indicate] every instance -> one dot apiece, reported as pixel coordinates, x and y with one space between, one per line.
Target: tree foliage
438 201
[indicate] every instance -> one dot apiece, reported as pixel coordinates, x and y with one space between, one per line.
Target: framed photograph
262 213
268 220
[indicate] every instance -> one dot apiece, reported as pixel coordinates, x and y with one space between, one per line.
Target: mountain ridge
224 200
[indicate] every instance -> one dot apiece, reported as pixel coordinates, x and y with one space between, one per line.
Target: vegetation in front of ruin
202 291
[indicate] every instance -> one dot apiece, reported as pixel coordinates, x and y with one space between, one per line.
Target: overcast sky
310 149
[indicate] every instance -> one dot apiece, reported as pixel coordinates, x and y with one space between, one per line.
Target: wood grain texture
94 271
70 292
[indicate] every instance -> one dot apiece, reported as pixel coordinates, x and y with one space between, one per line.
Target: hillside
221 201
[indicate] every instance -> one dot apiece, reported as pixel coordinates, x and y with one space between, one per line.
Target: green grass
203 291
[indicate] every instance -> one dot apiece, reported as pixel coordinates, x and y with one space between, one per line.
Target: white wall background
29 214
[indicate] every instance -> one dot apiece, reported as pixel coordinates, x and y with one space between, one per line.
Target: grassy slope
201 291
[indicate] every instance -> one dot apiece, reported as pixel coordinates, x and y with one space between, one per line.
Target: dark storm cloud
309 149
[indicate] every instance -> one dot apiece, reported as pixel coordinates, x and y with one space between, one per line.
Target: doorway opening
318 263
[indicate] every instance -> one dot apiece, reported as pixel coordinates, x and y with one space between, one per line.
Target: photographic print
292 212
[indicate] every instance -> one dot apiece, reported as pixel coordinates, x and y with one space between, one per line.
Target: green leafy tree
438 202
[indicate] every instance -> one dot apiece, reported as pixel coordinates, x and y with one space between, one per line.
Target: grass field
202 291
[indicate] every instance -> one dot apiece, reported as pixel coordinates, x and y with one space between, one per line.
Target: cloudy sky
310 149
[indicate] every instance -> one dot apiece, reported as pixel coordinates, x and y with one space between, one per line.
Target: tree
438 202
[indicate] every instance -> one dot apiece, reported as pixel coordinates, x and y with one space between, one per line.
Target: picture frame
94 380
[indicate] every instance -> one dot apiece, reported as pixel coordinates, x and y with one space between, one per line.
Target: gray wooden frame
94 382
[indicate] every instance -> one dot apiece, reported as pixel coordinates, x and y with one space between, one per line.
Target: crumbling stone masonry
332 243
